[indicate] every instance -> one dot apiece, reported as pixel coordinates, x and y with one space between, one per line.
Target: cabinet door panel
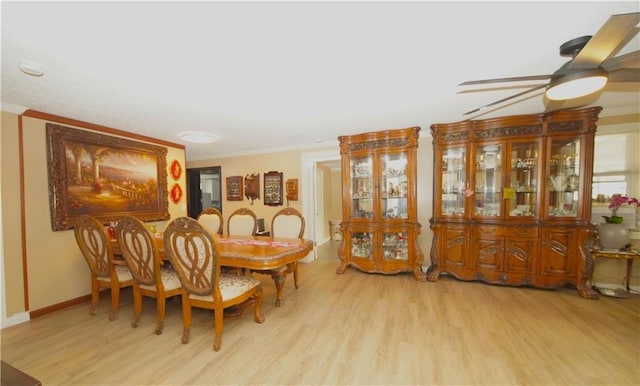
361 245
395 246
558 251
394 186
489 253
452 179
361 187
563 185
523 178
454 247
488 180
520 254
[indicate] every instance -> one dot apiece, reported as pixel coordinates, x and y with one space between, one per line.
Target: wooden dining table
260 253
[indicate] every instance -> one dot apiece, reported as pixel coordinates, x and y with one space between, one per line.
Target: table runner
223 240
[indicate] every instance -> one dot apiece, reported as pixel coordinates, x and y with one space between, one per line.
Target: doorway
204 189
317 207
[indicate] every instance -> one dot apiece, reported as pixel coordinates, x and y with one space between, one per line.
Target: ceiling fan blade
625 75
609 39
500 80
506 99
630 60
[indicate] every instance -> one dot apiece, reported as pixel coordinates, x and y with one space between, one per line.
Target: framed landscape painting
104 176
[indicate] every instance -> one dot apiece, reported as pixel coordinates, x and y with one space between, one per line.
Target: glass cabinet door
361 187
453 180
361 244
393 185
395 246
523 184
488 180
564 177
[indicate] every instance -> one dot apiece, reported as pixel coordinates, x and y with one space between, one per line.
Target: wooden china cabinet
512 199
379 214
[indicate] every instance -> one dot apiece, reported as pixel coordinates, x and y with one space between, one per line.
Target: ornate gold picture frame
104 176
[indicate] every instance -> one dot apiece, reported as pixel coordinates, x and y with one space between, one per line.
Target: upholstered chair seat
96 247
139 249
170 280
232 286
194 254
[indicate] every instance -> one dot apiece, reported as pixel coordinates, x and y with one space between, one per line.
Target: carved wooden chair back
139 249
194 254
242 222
96 247
287 223
212 219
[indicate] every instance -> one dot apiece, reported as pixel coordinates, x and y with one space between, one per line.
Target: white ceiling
270 76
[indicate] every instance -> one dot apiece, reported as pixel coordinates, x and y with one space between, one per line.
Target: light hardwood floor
354 328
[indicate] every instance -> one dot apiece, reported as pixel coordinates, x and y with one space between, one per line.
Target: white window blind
615 166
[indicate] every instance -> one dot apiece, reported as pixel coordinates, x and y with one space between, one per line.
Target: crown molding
16 109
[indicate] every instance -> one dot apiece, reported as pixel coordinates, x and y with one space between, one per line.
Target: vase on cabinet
613 236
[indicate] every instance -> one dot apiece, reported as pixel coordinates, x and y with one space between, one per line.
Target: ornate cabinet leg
584 275
433 273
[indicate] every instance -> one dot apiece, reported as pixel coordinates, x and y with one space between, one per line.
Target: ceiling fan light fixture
198 137
576 84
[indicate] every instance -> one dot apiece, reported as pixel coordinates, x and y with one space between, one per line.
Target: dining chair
286 223
242 222
211 218
193 252
97 249
138 247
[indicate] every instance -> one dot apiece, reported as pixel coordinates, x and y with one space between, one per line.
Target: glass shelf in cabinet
453 211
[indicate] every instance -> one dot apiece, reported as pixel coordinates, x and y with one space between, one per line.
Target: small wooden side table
629 256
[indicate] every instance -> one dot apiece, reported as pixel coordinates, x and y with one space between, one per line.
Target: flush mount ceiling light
198 137
576 84
31 68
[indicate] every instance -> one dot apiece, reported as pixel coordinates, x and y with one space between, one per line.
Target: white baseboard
321 242
15 319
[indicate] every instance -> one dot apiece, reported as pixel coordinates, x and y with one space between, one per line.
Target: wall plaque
273 188
252 186
234 188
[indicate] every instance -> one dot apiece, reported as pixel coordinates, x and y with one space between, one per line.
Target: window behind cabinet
616 170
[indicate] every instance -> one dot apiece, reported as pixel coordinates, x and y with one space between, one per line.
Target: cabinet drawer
489 230
522 232
501 231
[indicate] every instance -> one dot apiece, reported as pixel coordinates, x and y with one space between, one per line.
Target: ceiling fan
591 67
